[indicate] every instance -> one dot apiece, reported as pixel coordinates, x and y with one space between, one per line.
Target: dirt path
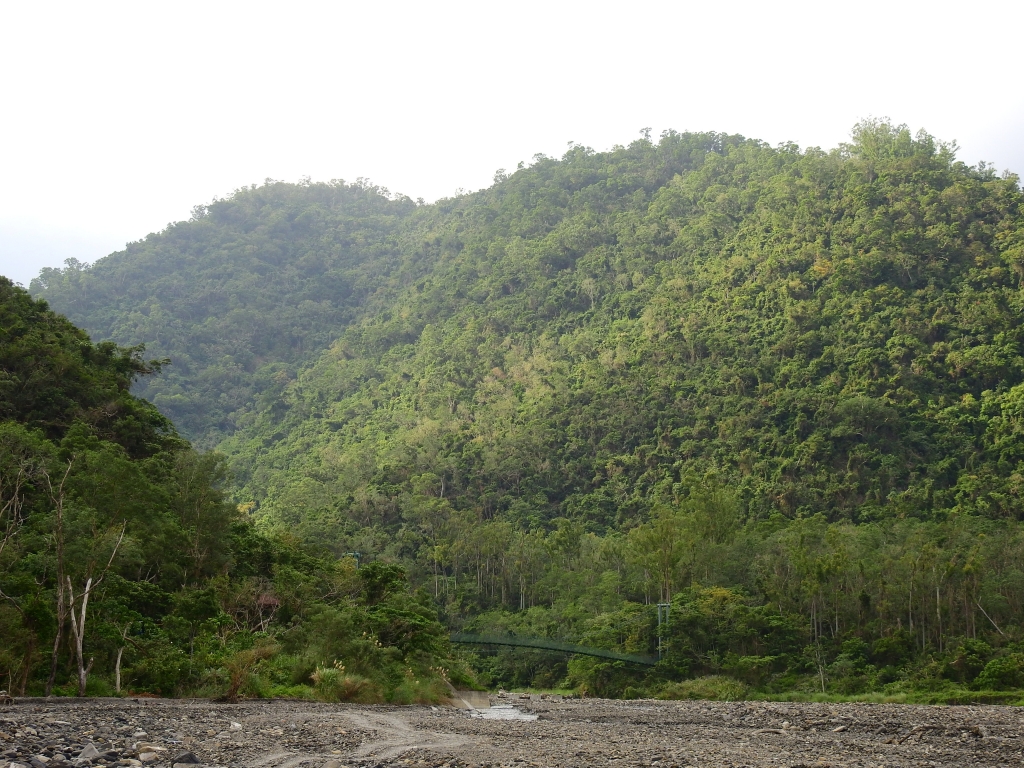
567 734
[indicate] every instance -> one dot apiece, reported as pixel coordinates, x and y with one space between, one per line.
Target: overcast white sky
117 118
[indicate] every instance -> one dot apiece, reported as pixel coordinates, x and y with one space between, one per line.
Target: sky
118 118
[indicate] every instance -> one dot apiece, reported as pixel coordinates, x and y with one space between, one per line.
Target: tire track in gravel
401 737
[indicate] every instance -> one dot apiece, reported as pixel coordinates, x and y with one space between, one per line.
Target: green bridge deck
549 645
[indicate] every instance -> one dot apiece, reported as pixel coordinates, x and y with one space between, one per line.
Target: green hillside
241 294
836 333
123 566
780 388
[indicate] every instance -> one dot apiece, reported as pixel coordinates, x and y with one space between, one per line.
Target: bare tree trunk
117 670
78 622
78 632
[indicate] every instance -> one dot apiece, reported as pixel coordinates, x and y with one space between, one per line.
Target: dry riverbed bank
289 734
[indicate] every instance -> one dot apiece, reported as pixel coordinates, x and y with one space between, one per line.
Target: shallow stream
502 712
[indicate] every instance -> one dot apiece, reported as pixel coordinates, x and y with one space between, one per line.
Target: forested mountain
124 567
835 333
780 388
241 294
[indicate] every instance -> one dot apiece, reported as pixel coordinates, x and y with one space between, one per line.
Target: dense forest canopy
834 333
123 566
239 295
780 388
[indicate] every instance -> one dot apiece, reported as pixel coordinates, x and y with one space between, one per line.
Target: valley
757 410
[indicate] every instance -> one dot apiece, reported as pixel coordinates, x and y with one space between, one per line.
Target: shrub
242 664
333 684
713 688
968 661
419 690
1002 674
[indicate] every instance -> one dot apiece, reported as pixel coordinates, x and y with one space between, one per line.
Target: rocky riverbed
287 734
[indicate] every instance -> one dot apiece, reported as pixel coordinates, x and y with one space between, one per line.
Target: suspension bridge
514 641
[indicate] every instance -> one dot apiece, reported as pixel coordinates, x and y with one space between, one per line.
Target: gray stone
332 764
89 753
185 758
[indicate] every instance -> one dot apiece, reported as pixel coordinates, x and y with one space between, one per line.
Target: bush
333 684
712 688
420 690
895 650
1002 674
968 661
161 669
242 665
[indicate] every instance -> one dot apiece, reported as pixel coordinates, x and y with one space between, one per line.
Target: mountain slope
239 295
834 333
122 562
781 389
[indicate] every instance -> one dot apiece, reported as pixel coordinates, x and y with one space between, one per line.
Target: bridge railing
467 638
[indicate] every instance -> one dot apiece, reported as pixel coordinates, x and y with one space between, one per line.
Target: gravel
162 733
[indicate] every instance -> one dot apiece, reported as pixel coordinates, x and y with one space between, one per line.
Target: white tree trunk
117 670
78 630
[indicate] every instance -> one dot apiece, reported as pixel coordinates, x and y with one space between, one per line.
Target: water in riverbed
502 712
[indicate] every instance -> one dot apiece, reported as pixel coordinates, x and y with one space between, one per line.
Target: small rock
332 764
149 757
235 726
185 758
89 753
139 735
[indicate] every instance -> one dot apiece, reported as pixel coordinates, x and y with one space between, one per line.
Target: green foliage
100 498
1002 674
331 683
241 294
714 688
780 389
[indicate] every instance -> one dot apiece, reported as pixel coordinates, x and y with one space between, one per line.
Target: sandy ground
286 734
